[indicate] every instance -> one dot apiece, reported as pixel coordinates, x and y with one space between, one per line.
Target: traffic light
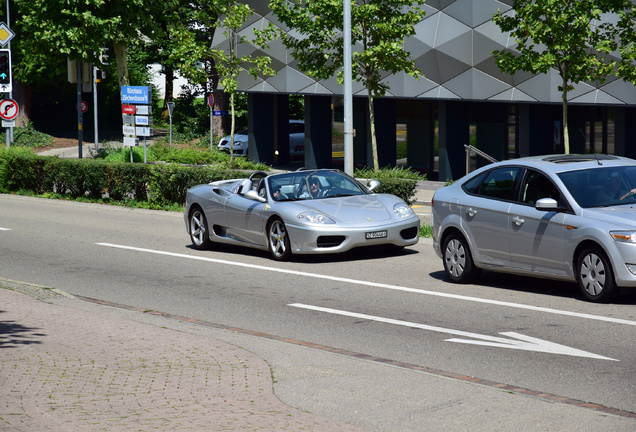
5 68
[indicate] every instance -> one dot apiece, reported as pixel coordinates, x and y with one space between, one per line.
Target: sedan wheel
595 275
458 262
199 230
279 245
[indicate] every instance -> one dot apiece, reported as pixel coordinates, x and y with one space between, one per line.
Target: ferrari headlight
314 218
624 236
402 210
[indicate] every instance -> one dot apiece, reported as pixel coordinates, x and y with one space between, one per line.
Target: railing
469 152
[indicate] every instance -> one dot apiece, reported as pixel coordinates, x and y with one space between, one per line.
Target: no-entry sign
9 109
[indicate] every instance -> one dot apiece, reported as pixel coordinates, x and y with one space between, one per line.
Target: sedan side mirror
547 204
254 196
373 184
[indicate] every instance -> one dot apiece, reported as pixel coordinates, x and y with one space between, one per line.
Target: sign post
211 103
170 109
8 111
136 115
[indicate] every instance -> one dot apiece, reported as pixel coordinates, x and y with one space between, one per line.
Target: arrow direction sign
520 342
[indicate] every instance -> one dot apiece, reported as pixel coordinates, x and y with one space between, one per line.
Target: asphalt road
532 334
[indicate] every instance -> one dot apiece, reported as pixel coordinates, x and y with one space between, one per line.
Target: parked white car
296 140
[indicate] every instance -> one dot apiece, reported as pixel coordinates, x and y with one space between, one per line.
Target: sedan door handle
518 220
471 212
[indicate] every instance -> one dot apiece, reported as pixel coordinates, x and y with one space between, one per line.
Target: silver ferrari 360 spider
299 212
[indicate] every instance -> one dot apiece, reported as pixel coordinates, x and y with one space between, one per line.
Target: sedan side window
537 186
499 184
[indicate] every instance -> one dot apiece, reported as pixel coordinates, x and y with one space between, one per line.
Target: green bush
398 181
163 185
27 136
21 168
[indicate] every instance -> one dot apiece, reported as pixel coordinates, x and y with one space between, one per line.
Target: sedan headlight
402 210
314 218
624 236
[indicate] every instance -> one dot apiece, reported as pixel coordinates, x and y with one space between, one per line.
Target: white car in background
296 140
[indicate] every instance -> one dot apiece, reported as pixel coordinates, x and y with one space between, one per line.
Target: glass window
537 186
498 183
602 186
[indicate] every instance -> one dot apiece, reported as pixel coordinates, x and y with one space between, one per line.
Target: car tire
458 261
595 275
278 240
199 230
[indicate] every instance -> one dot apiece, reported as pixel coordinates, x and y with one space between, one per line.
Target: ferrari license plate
375 235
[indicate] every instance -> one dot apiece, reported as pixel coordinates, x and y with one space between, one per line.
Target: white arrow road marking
530 344
376 285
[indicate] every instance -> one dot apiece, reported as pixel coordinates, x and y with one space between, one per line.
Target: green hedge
398 181
162 184
159 184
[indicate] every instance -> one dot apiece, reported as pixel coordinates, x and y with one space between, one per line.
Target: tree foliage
584 40
378 31
229 63
54 29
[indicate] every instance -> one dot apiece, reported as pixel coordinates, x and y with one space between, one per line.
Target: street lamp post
348 92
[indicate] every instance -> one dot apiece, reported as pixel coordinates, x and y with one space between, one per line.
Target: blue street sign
136 95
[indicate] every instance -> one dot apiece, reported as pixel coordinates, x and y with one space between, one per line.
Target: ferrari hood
353 209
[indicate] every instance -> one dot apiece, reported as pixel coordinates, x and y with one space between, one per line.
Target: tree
229 64
579 38
56 29
378 31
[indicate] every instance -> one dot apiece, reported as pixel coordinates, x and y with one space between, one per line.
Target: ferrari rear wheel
199 234
278 240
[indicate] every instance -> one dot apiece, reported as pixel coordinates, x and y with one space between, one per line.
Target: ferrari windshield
308 185
602 187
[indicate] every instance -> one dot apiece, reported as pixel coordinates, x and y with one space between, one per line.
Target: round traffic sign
211 100
84 106
9 109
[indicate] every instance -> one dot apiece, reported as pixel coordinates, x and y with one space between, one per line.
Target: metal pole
80 132
348 92
9 131
95 106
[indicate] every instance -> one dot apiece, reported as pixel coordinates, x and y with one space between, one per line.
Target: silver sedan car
299 212
564 217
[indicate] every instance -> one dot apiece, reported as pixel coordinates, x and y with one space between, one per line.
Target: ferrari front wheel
199 234
278 240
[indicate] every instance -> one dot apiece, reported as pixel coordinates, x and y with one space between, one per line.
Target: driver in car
314 187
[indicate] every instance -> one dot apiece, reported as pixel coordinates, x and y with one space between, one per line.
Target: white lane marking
520 342
5 229
380 285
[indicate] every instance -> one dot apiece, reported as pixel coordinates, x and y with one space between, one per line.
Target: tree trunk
374 140
566 134
122 64
22 95
232 131
169 93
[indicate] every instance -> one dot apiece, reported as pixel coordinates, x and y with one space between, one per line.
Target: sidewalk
68 369
71 365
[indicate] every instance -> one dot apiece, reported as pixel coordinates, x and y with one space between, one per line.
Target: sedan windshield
308 185
602 187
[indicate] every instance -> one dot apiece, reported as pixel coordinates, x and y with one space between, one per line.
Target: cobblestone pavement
67 369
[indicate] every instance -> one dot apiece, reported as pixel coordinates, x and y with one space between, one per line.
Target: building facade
461 99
